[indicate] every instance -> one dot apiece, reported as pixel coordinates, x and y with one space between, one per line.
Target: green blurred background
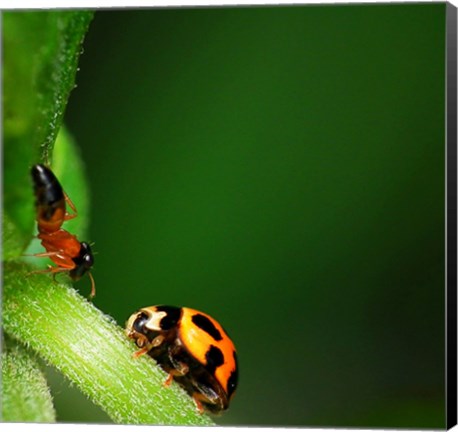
281 169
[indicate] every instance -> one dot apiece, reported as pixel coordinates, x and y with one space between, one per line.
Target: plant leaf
69 168
41 51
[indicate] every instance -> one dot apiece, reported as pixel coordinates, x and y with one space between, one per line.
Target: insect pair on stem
189 345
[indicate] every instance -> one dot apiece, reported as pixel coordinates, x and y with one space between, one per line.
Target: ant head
83 262
86 255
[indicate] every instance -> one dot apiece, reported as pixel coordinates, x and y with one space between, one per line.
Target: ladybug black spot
173 315
214 357
207 326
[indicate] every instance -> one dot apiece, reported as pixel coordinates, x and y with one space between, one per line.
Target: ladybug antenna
92 295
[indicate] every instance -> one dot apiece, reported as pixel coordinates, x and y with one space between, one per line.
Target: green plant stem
89 348
25 393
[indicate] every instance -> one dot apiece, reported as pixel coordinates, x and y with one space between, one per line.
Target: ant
63 248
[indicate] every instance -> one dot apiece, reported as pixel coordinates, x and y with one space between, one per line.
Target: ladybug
192 348
63 248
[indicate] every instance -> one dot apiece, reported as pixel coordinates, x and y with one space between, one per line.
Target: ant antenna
92 295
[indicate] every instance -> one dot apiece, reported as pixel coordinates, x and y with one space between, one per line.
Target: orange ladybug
192 348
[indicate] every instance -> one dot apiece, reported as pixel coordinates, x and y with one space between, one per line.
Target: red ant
63 248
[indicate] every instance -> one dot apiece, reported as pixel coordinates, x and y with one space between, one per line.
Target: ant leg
64 264
50 269
69 216
46 254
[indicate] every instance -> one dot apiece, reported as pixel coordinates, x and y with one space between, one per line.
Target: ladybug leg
181 370
209 396
149 346
169 379
198 399
140 352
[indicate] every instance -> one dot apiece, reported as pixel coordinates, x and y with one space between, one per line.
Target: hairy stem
89 348
25 393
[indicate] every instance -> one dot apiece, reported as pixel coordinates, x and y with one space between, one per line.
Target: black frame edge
451 226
